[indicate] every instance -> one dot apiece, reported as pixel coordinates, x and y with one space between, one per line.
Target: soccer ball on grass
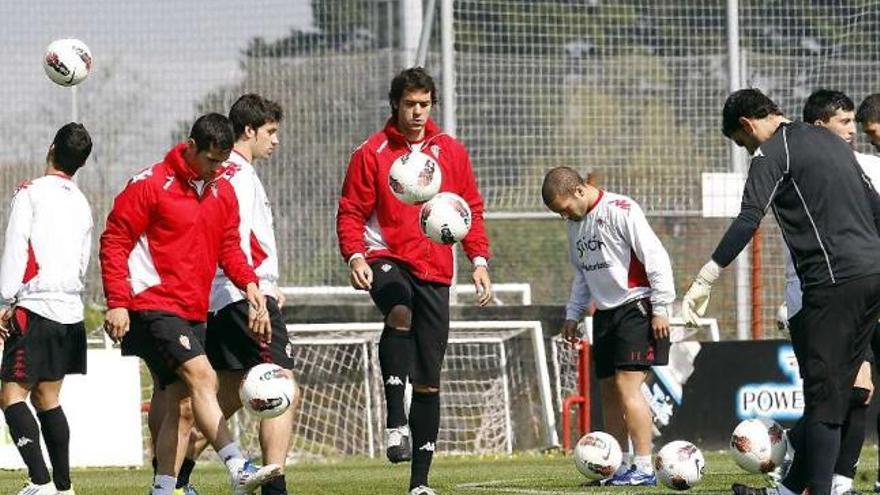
679 465
758 445
597 455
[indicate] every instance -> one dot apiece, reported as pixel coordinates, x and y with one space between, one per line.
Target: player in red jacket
168 230
407 274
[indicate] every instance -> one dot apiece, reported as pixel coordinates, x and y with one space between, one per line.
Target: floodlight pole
425 39
74 111
738 165
410 30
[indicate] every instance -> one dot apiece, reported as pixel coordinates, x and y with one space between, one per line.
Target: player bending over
833 242
621 265
165 235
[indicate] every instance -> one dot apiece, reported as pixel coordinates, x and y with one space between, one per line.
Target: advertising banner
103 409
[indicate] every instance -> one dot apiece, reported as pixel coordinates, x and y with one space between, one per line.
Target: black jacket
826 207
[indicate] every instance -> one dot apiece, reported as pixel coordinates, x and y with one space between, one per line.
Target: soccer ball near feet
679 465
266 390
597 455
758 445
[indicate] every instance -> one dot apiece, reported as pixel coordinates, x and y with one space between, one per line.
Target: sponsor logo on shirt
602 265
584 246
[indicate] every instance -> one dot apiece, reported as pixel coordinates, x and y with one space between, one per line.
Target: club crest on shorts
184 341
385 268
288 349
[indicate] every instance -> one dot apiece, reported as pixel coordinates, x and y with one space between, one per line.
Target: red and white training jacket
165 235
256 231
373 223
48 244
617 258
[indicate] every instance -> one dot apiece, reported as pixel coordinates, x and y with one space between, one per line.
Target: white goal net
495 390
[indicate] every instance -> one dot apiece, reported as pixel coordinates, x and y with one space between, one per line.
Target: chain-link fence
630 89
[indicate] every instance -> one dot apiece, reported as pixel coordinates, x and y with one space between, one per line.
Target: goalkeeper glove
782 317
693 306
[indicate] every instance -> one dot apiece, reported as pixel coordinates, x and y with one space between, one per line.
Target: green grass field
522 474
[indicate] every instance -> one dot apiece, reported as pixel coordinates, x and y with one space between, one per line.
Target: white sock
163 485
643 463
840 484
232 457
625 463
783 490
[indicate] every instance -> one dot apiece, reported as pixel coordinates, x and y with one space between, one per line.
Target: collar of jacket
394 134
182 169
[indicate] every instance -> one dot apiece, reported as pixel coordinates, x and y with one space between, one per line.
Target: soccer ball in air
446 218
679 465
266 390
67 62
758 445
415 178
597 455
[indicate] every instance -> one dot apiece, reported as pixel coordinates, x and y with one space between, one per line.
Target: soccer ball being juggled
67 62
415 178
758 445
445 219
679 465
266 390
597 455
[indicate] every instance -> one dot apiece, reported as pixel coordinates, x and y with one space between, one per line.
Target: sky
156 58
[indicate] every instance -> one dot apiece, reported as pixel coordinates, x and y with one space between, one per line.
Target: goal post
496 391
515 293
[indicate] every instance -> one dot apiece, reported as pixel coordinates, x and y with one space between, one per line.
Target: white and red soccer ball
446 218
679 465
67 62
758 445
415 177
597 455
266 390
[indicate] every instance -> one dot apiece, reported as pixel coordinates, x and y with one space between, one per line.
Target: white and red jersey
617 258
372 222
165 235
48 244
793 291
256 231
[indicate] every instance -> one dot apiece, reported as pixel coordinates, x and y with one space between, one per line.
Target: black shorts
229 344
164 341
875 345
42 350
624 340
830 336
429 303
